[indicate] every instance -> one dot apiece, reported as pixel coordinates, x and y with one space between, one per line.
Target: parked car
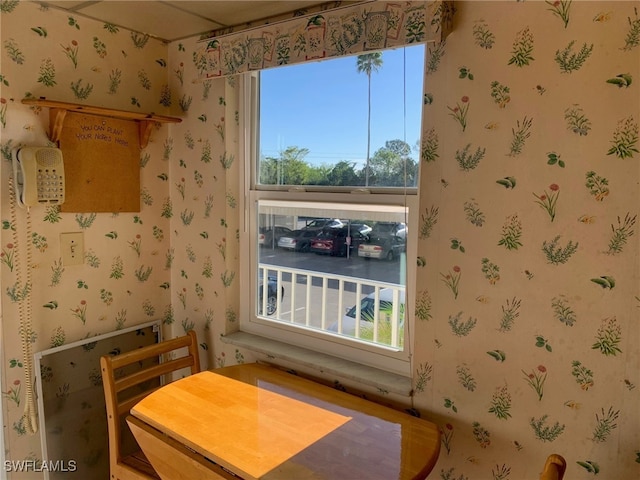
337 241
322 223
272 295
269 236
363 228
386 241
367 313
398 229
297 240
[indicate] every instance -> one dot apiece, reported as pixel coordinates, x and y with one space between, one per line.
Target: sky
322 106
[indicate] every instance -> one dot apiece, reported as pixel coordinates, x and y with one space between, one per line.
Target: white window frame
361 352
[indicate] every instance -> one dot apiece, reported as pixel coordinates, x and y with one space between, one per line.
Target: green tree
289 169
319 175
392 165
369 63
343 173
268 171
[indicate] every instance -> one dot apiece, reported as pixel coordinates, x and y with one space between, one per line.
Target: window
331 204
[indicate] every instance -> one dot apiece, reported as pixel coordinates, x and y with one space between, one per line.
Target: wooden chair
172 459
554 468
128 378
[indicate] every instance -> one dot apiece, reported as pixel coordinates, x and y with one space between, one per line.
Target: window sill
325 364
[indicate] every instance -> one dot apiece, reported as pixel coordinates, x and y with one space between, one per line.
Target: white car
367 313
298 240
269 236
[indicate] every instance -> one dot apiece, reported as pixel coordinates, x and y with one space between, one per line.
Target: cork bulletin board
101 164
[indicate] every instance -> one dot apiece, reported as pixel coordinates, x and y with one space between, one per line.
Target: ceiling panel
155 18
175 20
240 12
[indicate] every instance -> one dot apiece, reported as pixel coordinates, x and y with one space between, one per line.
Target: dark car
269 236
337 241
272 295
387 240
298 240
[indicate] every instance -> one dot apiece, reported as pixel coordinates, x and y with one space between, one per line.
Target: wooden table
260 422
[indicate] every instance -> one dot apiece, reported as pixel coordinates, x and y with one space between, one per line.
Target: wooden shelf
58 110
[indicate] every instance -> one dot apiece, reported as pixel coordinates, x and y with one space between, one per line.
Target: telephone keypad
50 185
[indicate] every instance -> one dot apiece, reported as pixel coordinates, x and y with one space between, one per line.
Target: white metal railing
320 301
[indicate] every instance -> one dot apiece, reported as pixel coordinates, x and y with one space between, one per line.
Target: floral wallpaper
527 296
528 287
125 279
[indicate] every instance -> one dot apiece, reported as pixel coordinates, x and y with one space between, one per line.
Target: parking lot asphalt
352 266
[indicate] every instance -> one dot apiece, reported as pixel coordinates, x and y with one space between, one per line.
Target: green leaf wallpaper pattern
531 340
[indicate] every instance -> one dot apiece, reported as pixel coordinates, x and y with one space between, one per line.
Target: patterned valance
370 26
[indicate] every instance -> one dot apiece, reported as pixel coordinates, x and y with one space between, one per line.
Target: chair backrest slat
154 350
156 371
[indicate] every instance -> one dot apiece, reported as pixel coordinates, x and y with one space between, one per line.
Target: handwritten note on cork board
101 164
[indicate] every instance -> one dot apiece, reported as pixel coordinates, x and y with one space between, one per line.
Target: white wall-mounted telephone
39 176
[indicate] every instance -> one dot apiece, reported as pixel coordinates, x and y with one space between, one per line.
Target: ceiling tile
156 18
175 20
240 12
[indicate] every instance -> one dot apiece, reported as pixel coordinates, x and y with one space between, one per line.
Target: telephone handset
39 176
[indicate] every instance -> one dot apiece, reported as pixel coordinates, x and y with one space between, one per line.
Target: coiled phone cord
30 415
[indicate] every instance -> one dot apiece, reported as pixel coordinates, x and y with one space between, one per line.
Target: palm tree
369 63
